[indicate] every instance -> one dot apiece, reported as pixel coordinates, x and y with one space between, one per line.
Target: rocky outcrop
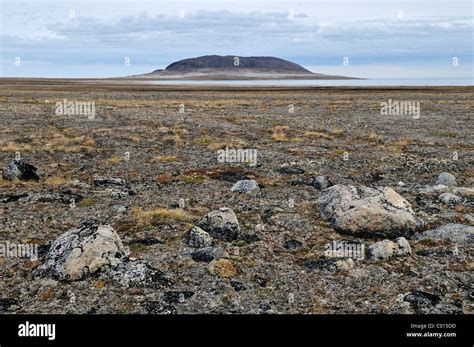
369 212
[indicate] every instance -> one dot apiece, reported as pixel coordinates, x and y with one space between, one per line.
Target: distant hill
229 67
235 63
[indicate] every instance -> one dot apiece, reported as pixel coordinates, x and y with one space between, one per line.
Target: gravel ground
169 160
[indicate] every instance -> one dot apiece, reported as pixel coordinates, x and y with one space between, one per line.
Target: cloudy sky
96 38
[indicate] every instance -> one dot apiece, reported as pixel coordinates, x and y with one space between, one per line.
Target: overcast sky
380 38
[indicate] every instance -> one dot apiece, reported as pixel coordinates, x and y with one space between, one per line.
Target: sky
111 38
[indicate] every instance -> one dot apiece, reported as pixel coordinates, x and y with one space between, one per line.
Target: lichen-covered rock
18 169
370 212
446 179
453 232
109 182
196 237
386 249
221 224
137 273
83 250
222 268
450 199
246 186
330 264
208 254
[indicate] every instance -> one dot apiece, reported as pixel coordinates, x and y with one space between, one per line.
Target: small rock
246 186
139 274
238 286
109 182
222 268
453 232
288 170
196 237
386 249
318 182
401 184
292 244
450 199
120 208
330 264
446 179
18 169
208 254
421 299
221 224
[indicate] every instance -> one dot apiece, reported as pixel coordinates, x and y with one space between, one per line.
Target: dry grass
160 216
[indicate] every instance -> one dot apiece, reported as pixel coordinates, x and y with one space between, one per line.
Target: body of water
335 83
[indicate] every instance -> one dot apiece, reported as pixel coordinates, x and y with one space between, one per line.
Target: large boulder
18 169
369 212
83 250
221 224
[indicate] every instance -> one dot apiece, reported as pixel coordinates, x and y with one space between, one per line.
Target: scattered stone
450 199
246 186
386 249
139 274
120 209
318 182
109 182
83 250
292 244
288 170
196 237
208 254
420 299
401 184
330 264
177 297
221 224
364 211
65 197
446 179
238 286
429 190
9 304
18 169
261 281
6 198
119 194
222 268
453 232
